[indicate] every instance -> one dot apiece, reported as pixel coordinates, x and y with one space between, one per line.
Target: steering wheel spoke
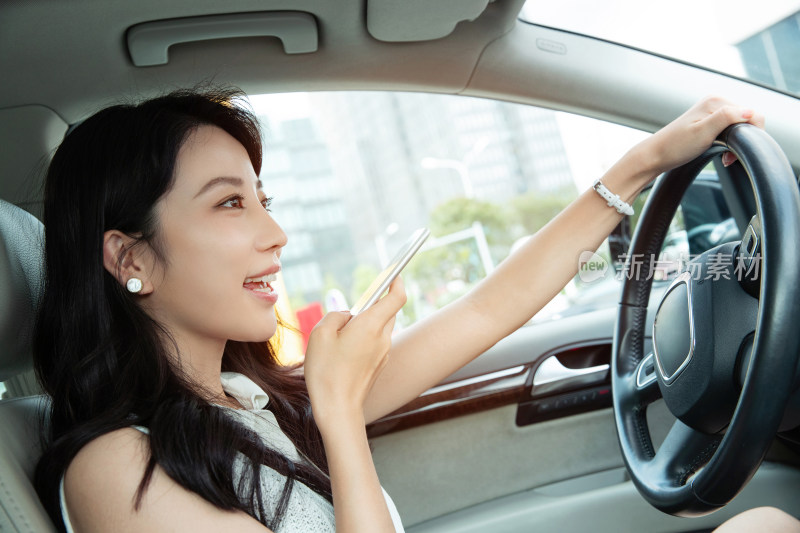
645 386
683 452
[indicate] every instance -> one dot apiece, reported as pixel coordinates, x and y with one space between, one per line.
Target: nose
270 236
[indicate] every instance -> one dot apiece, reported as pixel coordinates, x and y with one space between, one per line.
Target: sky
281 107
698 31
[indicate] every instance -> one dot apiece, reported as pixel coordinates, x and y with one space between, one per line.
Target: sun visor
419 20
149 42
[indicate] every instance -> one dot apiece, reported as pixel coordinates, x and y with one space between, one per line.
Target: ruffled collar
251 396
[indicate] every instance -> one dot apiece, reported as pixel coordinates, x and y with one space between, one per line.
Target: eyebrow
224 180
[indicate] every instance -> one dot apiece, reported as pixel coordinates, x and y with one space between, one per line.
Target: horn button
698 334
673 330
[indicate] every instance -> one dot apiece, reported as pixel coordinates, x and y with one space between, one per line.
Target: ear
124 261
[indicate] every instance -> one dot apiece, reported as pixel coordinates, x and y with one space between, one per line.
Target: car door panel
604 503
482 470
465 442
440 468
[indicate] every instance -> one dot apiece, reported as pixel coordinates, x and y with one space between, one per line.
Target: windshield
758 41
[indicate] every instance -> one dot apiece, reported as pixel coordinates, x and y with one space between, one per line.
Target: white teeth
269 278
265 290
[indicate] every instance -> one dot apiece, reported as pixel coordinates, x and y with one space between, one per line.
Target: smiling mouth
260 284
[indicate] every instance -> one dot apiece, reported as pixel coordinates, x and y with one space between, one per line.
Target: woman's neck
201 362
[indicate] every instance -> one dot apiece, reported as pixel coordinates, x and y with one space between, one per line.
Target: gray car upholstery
21 254
20 508
21 263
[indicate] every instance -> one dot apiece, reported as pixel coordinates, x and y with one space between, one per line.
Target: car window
353 174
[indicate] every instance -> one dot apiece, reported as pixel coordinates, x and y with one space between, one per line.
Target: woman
170 411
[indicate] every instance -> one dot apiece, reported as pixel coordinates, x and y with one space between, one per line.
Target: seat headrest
21 285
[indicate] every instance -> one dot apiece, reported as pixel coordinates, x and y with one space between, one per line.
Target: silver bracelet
612 199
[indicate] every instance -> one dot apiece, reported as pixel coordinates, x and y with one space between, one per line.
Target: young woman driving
170 410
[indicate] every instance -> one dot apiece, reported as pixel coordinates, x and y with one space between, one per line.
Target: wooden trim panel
467 396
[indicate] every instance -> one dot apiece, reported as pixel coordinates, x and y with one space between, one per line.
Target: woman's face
221 246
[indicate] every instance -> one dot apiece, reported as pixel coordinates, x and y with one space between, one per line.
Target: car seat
21 277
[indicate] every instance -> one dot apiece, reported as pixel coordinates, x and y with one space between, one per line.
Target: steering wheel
725 338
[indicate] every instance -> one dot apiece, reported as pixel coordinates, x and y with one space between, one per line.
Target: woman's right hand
346 354
344 357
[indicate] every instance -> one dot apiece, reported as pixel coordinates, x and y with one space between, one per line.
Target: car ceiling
72 56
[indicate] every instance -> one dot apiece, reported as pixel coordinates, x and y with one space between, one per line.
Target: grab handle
148 42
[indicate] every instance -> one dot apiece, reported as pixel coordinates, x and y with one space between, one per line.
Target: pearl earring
134 285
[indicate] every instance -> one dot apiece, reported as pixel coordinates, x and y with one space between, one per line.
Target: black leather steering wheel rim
694 473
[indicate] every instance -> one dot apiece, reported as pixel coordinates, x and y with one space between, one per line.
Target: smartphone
396 265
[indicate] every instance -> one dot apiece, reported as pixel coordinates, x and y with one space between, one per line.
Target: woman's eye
267 202
235 202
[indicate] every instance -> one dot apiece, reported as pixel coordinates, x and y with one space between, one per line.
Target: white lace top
307 511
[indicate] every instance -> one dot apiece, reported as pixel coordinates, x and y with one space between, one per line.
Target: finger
728 158
333 321
395 299
758 120
726 115
398 288
709 104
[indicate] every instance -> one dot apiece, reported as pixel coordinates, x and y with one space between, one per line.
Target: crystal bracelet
612 199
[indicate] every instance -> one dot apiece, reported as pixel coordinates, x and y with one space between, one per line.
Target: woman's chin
265 333
258 328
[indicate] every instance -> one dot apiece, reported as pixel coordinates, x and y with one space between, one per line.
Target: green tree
446 272
459 213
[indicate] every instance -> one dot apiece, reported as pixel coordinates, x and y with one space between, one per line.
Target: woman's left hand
692 133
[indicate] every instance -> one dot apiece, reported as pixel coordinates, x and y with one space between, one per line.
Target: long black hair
104 362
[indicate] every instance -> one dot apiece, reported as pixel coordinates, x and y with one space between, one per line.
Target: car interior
531 434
